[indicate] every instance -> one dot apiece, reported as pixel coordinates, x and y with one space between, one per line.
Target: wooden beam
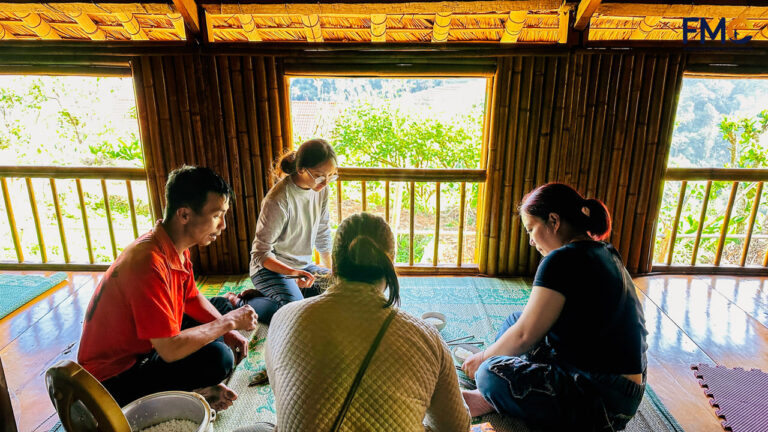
378 28
178 25
41 28
563 24
209 27
312 27
5 34
389 8
188 10
584 13
441 27
87 8
645 28
132 26
87 25
513 26
249 27
683 10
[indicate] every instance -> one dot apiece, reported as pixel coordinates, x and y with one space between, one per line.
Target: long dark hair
309 154
363 251
586 216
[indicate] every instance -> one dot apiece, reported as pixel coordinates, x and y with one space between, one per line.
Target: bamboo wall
599 122
224 112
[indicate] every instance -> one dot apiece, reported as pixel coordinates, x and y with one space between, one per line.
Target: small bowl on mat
461 352
436 319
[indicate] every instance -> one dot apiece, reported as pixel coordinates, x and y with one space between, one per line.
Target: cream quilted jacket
315 348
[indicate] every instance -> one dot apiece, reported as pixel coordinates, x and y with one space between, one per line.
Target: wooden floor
691 319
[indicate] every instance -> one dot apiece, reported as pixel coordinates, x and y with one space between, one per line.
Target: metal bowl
157 408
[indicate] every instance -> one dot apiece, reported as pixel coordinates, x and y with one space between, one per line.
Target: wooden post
386 203
109 218
365 200
85 219
437 224
378 27
338 201
132 206
751 224
59 220
676 222
702 216
726 220
11 220
412 223
462 209
36 218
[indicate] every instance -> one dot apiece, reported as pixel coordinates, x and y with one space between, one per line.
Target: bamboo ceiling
507 22
91 21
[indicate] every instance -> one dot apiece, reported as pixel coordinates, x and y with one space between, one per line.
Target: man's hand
238 344
305 279
244 318
472 363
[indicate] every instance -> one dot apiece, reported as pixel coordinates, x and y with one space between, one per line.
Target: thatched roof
547 22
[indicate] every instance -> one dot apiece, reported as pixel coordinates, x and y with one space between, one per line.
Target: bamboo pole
109 218
265 133
536 166
218 154
365 198
717 174
132 207
526 153
338 202
85 219
437 224
676 222
11 220
202 115
59 220
36 218
751 224
702 217
462 198
253 137
386 201
411 174
112 173
508 109
412 222
726 220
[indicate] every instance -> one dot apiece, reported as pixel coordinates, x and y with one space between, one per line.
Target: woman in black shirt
575 356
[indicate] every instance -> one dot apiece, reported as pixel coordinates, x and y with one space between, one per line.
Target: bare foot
219 397
476 403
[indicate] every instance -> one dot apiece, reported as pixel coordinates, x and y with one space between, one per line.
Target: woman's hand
305 279
472 363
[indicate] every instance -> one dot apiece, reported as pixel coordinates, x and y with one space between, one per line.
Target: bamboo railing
751 178
77 174
411 176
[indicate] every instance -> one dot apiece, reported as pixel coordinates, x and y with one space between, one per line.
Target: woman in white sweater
293 221
315 349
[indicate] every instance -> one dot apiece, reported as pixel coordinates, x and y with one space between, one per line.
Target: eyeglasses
322 178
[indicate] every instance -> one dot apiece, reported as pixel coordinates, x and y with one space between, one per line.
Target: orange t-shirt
141 297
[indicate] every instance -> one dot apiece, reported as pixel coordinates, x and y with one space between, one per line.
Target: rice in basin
462 354
173 426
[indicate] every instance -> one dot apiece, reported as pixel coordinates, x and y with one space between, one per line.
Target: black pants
207 366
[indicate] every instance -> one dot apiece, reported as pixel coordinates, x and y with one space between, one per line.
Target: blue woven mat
16 290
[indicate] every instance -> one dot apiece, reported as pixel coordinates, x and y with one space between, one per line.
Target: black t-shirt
601 327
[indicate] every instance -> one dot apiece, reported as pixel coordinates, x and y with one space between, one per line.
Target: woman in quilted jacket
315 349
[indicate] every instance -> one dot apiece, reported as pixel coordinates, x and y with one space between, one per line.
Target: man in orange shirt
134 340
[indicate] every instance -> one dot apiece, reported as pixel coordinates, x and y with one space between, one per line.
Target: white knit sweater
315 348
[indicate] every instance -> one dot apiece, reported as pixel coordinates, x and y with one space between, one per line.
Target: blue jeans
538 388
279 291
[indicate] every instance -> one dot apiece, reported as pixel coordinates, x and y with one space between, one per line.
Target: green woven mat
472 306
16 290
